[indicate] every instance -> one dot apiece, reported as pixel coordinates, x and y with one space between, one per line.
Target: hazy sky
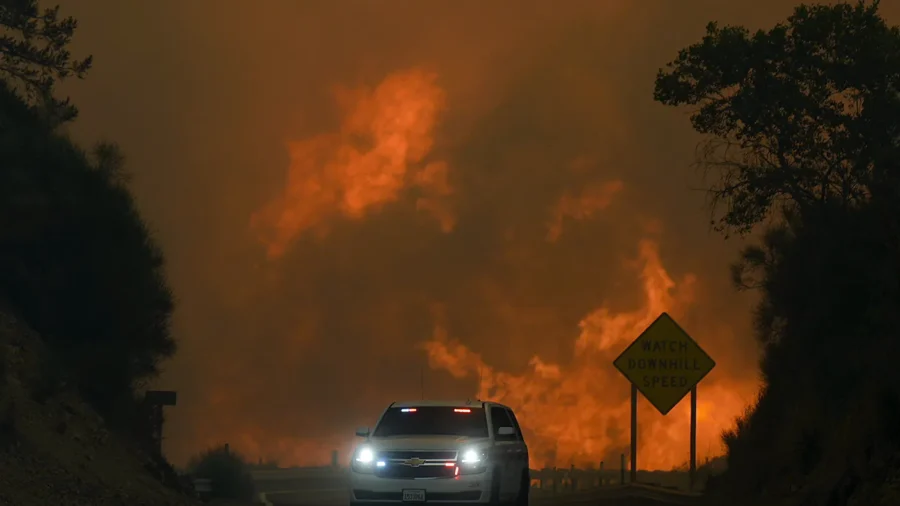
361 199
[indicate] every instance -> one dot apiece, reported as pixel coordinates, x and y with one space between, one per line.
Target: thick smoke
367 201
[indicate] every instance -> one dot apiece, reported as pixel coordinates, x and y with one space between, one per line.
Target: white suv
440 452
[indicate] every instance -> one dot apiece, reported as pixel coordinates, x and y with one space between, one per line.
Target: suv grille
400 471
424 455
435 464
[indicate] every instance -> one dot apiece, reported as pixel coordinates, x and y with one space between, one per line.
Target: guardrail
550 480
572 479
550 487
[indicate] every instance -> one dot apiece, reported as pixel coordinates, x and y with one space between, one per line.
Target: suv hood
427 442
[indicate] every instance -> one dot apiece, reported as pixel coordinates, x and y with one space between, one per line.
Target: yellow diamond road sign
664 363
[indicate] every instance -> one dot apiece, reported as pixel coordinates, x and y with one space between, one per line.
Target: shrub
228 472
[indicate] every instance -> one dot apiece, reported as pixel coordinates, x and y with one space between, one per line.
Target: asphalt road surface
326 488
303 487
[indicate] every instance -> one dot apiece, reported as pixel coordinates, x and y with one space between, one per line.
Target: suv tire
494 499
524 489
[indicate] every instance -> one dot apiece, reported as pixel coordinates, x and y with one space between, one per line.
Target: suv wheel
495 488
524 489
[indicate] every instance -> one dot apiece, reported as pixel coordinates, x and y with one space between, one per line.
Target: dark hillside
84 303
80 265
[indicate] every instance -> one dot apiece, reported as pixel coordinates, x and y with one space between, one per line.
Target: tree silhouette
79 263
801 125
797 115
34 56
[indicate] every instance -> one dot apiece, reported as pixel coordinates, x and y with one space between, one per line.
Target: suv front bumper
367 488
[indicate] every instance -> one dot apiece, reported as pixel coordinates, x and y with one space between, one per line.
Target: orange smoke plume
580 413
386 135
593 198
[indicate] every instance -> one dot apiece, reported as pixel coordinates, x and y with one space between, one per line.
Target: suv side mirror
506 431
362 431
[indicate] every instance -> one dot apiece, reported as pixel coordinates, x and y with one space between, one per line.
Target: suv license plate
413 495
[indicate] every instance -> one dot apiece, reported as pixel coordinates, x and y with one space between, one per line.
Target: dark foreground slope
57 450
825 428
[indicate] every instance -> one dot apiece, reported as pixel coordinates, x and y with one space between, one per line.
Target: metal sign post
634 398
154 400
693 436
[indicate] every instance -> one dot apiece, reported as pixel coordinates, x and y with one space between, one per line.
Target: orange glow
580 413
385 138
384 154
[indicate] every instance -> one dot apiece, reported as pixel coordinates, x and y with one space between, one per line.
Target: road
325 487
303 487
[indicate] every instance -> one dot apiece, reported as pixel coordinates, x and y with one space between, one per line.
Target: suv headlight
363 459
471 457
365 455
472 461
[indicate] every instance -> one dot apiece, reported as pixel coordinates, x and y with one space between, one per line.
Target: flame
576 413
386 135
593 198
580 414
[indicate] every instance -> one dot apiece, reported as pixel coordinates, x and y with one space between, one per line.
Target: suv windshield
433 421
